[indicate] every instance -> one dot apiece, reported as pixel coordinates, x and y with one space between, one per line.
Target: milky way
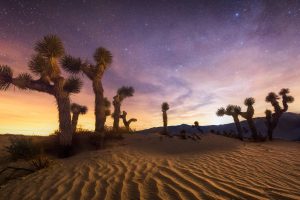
196 55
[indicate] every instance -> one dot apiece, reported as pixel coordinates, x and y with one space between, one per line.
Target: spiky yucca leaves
103 57
248 115
23 81
45 65
234 111
125 92
122 93
127 123
95 72
273 118
6 77
164 108
77 110
73 85
50 46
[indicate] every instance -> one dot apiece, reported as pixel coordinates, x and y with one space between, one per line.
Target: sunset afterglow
194 58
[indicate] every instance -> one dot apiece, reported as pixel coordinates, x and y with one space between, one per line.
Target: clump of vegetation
164 108
272 119
22 148
40 162
183 134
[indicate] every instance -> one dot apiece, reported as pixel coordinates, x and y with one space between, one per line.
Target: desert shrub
22 148
183 134
40 162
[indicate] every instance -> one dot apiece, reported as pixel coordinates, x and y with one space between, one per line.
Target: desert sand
152 167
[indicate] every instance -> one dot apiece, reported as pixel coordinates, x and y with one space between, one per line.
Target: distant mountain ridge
287 129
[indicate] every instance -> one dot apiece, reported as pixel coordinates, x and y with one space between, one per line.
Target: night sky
196 55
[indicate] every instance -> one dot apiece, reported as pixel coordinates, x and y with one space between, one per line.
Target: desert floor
151 167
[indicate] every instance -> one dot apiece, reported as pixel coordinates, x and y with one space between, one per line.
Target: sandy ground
148 167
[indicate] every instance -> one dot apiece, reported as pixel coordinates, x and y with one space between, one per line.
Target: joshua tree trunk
74 122
238 127
165 120
99 106
64 114
116 114
252 128
63 104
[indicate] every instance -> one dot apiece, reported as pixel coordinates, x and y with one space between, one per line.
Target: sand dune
148 167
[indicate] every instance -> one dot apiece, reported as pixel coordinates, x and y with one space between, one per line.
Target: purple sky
196 55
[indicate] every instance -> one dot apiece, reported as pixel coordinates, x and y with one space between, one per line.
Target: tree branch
37 85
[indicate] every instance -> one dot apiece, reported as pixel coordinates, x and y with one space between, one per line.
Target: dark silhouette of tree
273 118
196 125
95 72
248 115
234 111
122 93
127 123
45 65
77 110
164 108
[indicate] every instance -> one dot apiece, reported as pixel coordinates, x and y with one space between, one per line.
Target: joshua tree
45 65
76 110
196 125
248 115
273 118
234 111
127 123
164 108
103 59
122 93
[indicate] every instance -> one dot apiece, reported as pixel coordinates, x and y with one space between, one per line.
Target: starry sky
196 55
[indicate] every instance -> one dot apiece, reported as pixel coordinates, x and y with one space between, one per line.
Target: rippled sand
148 167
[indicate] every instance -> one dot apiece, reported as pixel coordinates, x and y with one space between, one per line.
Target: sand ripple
249 171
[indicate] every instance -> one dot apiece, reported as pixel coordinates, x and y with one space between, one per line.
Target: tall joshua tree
273 118
77 110
122 94
127 123
248 115
45 65
164 108
95 72
234 111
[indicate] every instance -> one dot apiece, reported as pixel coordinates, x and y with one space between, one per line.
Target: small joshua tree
248 115
127 123
196 125
164 108
77 110
273 118
45 65
234 111
122 93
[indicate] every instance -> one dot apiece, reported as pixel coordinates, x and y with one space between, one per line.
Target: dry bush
22 147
